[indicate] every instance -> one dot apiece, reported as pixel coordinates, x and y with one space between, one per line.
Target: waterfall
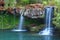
48 21
21 22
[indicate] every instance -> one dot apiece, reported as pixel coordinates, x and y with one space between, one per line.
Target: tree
24 2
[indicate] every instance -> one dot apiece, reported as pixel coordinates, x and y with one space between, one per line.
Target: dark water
8 35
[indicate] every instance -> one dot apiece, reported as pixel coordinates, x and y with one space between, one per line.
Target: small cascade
21 22
48 21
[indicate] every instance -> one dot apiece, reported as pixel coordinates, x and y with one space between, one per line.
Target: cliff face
1 2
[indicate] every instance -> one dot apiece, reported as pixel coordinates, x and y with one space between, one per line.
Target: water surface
9 35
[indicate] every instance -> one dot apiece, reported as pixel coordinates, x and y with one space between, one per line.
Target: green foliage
34 25
32 1
24 2
7 20
56 20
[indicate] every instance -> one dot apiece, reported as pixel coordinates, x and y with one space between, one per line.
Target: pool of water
9 35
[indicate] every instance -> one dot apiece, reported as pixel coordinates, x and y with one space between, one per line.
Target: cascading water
21 21
48 21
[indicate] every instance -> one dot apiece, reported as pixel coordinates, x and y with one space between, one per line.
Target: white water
20 26
48 20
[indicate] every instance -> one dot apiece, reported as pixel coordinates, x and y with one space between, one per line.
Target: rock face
34 11
1 2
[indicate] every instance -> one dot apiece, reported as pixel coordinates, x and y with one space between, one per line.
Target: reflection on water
47 38
8 35
20 36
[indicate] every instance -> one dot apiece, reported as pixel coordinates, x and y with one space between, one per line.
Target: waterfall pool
9 35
